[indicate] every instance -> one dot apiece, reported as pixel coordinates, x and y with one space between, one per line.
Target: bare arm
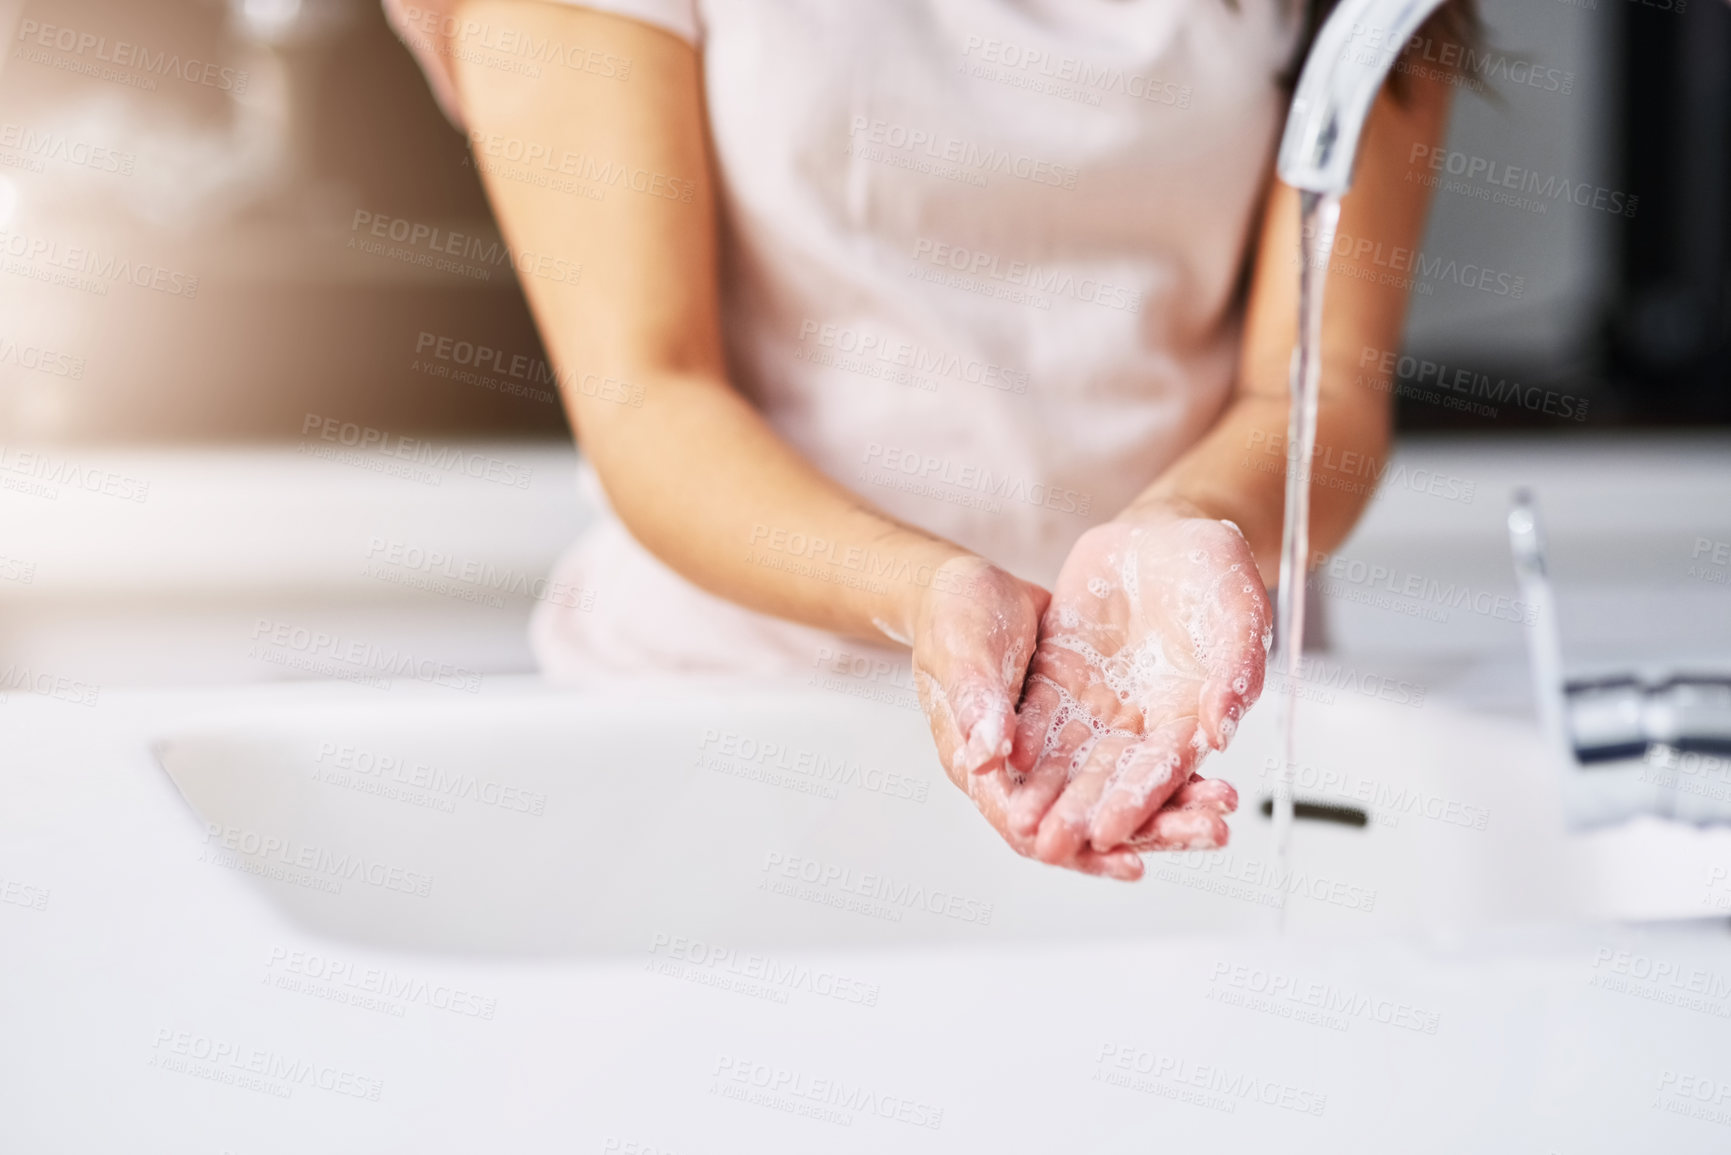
1237 471
694 472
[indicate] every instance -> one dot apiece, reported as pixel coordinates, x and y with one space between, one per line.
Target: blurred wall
185 250
1563 258
195 259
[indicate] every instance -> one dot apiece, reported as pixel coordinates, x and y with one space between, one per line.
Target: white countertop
126 953
124 958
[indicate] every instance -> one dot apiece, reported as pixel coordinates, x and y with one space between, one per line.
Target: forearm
1238 473
707 486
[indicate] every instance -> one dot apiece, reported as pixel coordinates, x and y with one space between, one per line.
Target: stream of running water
1318 216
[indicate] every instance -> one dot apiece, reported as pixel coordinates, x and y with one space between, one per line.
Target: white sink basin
570 824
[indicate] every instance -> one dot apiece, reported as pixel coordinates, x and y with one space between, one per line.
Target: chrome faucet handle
1337 87
1628 745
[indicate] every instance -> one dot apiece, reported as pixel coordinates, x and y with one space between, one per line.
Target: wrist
932 567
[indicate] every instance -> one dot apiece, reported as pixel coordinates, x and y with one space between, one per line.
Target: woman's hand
1151 649
973 635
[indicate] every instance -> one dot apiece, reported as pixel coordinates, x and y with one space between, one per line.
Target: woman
932 306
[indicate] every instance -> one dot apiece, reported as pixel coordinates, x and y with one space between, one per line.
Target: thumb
984 711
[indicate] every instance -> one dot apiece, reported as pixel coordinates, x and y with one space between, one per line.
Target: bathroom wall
1565 258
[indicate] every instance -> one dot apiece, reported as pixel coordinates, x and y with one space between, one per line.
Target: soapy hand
973 637
1151 649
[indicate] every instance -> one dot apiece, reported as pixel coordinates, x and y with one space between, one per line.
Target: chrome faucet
1353 54
1654 742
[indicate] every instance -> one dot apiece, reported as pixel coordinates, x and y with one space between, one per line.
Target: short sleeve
676 16
430 29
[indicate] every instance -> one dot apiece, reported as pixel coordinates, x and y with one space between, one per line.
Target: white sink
563 824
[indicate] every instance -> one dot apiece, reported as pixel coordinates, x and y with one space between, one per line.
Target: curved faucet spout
1353 54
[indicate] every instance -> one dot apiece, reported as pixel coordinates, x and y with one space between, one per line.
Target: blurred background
250 180
186 194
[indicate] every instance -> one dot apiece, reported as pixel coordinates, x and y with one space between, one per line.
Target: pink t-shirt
980 266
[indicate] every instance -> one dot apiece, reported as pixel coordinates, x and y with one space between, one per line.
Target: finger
1064 830
1205 794
1123 865
1040 702
984 714
990 796
945 736
1153 770
1066 741
1170 830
